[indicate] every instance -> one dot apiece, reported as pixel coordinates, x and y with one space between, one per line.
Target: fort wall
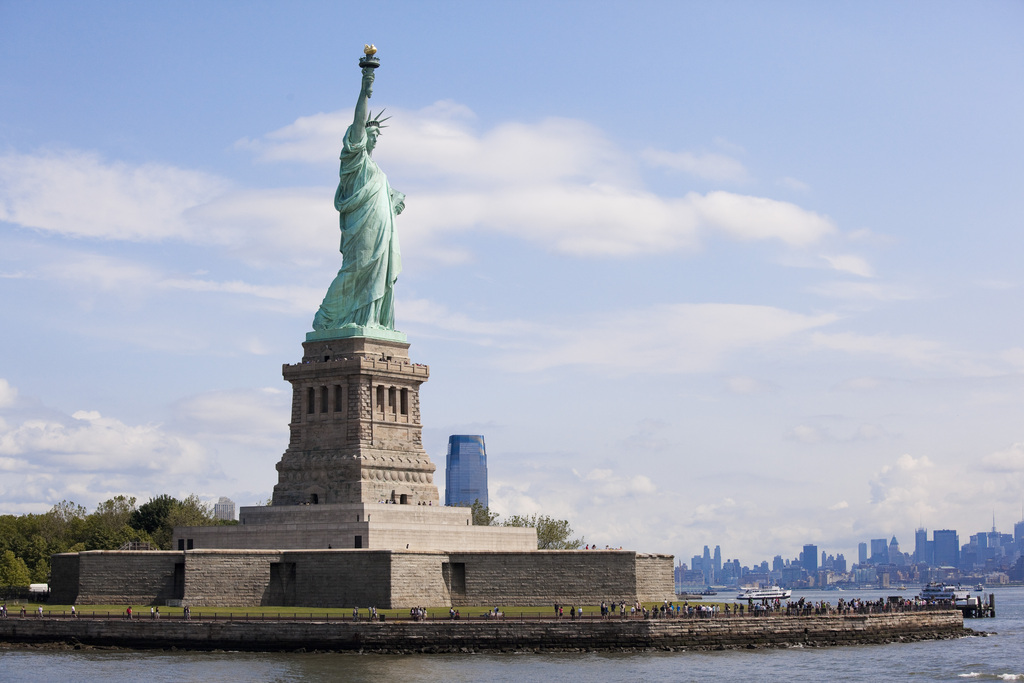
497 635
347 578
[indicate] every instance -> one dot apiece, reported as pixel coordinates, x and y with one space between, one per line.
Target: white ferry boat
944 592
767 593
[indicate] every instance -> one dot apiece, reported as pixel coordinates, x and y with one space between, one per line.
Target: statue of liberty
360 300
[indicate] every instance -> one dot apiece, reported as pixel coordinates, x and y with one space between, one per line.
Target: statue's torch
368 60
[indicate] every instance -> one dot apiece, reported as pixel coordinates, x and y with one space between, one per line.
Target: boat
979 587
765 593
944 592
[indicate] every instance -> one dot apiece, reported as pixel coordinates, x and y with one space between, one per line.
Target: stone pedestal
356 435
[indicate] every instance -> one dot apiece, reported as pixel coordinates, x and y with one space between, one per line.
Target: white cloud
866 291
709 166
676 338
282 298
911 489
848 263
560 183
680 338
806 434
1008 460
906 488
747 385
863 384
921 352
438 318
92 443
79 194
253 416
8 394
751 218
999 285
809 434
208 448
92 272
298 226
607 506
606 482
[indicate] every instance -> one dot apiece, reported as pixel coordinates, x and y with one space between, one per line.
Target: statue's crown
377 121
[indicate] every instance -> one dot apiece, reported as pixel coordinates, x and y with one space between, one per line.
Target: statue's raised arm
360 301
362 108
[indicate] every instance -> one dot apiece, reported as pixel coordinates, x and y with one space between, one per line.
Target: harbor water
997 656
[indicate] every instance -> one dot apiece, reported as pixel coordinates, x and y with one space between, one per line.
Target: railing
687 614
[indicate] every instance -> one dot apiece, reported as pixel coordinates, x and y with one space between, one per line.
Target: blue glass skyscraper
466 470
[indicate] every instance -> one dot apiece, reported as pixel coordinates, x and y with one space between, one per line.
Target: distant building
921 547
894 555
879 551
862 553
810 559
224 509
466 470
947 548
730 573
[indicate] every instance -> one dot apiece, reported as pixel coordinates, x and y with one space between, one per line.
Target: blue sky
731 273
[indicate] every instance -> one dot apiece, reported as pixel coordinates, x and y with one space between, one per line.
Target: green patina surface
360 301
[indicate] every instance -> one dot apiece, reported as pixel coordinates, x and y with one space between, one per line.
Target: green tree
152 516
482 515
13 571
63 526
552 534
41 571
10 532
37 552
189 512
193 512
107 528
160 515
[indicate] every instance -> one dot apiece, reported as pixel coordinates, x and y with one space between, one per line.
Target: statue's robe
362 294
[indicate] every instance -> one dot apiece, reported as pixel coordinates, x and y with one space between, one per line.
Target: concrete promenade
432 636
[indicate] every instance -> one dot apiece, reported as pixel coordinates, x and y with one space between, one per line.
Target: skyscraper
810 559
879 551
862 553
921 546
224 508
894 554
466 470
947 548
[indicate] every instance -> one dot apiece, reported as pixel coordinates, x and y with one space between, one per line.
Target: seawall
499 635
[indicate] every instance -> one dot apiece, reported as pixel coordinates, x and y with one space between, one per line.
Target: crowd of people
637 610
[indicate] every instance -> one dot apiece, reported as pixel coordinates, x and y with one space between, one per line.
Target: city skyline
740 271
877 550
